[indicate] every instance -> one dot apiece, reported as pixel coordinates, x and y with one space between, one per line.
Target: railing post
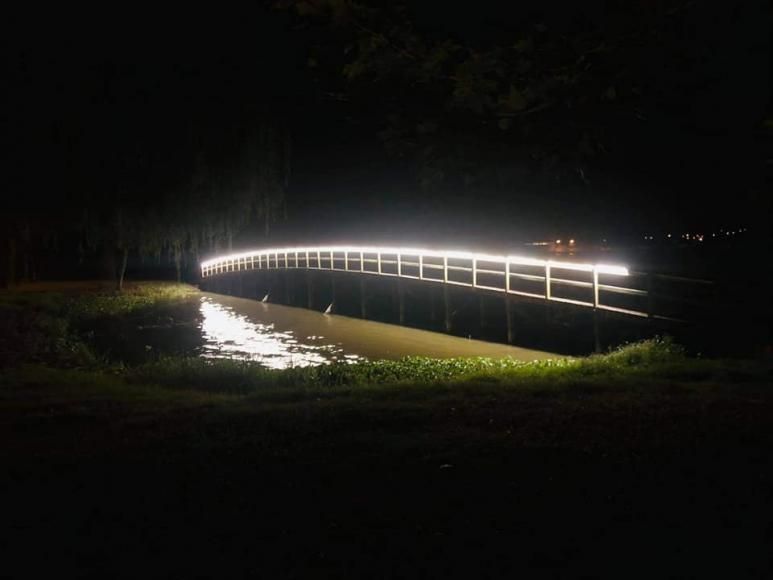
445 269
332 265
421 267
474 273
507 277
362 262
399 266
378 259
346 260
547 281
595 287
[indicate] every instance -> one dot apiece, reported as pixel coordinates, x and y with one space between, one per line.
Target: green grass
45 323
135 297
648 362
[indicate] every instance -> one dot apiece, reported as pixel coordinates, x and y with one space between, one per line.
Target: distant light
669 235
571 242
558 241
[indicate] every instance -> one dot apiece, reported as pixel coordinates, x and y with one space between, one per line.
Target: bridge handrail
496 273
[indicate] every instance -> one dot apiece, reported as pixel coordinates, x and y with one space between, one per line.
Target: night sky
164 87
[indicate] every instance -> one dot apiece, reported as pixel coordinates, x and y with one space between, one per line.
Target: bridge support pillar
363 298
432 306
509 318
268 285
447 307
401 301
596 331
309 291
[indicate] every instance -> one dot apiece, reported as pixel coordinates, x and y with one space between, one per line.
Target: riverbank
640 462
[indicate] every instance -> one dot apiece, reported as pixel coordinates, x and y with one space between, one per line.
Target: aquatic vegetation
221 375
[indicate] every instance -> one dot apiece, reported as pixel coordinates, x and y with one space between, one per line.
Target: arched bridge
577 287
598 286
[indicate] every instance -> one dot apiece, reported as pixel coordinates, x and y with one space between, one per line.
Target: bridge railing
600 286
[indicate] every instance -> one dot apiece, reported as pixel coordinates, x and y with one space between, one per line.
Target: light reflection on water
280 336
227 334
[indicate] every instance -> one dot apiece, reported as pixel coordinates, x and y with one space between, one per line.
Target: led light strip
413 252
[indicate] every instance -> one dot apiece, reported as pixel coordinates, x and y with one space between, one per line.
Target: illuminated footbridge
593 287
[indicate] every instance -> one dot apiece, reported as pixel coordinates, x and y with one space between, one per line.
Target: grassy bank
52 323
48 338
638 463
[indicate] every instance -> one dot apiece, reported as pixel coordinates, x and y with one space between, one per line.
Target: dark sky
169 83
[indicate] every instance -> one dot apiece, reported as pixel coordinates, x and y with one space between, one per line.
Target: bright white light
391 253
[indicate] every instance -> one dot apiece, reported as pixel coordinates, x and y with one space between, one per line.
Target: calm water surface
280 336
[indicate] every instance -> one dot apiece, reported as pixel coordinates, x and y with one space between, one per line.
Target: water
280 336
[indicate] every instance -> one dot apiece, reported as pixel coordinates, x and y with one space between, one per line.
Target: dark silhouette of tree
585 95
